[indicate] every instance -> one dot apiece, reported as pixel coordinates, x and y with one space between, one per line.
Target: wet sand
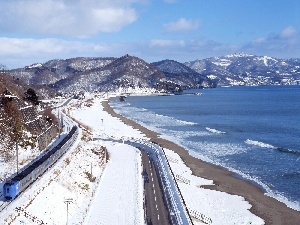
269 209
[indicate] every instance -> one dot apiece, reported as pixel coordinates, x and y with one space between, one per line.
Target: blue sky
35 31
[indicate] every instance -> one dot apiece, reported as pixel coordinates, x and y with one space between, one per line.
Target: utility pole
91 169
17 152
68 201
105 155
102 123
62 121
58 123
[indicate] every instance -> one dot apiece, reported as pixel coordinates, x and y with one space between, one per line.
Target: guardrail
182 179
200 216
175 204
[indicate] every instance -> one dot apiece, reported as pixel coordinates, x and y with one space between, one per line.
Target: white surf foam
269 192
279 196
210 151
259 144
215 131
149 117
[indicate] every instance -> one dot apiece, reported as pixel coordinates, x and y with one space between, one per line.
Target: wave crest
264 145
259 144
214 131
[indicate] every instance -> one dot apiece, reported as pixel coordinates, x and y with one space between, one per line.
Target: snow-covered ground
220 207
119 199
116 195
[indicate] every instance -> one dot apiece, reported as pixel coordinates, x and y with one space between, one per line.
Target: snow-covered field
116 195
220 207
119 199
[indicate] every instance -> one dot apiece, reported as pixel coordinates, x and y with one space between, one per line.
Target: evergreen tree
30 95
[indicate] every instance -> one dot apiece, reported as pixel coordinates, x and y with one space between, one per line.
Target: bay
252 131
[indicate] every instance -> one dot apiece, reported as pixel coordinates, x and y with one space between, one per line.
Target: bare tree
12 126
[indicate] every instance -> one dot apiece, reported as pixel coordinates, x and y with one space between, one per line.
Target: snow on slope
267 60
44 201
222 62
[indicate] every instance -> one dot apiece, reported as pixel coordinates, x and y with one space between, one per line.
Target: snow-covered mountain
127 73
244 69
183 75
53 71
130 74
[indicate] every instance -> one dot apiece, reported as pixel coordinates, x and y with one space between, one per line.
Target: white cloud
183 50
259 41
38 47
288 32
166 43
285 44
65 17
182 24
19 52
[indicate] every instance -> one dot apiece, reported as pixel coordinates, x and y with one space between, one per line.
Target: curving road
156 211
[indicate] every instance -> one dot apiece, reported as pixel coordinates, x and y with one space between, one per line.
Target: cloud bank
66 17
19 52
181 24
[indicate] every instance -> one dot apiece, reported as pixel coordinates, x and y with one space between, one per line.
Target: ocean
252 131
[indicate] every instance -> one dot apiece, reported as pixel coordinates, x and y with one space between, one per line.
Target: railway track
3 205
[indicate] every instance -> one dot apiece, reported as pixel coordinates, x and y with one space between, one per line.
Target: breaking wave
214 131
145 116
259 144
264 145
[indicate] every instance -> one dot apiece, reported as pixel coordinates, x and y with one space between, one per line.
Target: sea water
252 131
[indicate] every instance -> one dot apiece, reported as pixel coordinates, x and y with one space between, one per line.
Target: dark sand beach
267 208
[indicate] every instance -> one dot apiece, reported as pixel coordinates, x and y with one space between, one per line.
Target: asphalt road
156 211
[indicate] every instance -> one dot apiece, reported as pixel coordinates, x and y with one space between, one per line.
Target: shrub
67 161
90 176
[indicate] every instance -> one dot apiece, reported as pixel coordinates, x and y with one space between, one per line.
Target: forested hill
22 120
132 74
127 73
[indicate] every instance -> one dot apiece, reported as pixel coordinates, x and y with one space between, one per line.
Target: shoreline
269 209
